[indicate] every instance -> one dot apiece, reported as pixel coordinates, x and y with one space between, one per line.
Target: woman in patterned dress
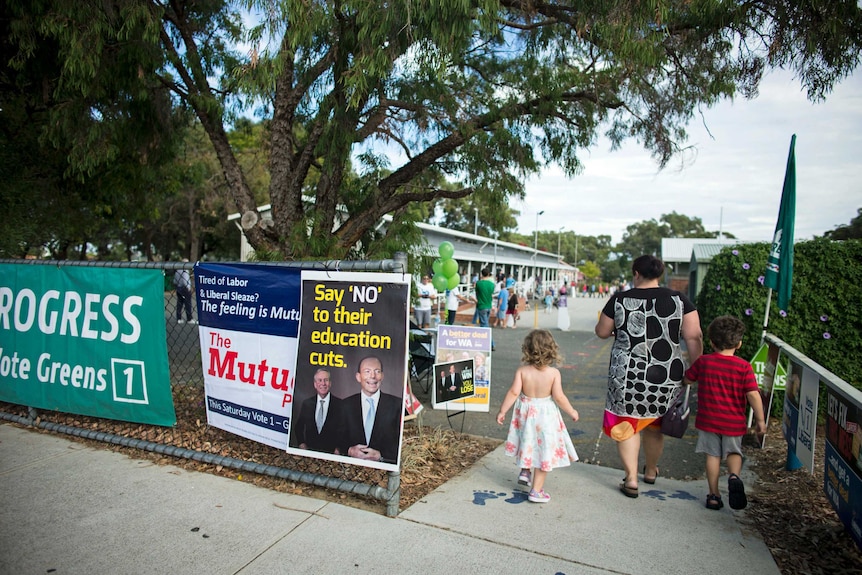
646 367
538 438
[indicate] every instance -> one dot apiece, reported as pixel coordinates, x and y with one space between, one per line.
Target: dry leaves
793 516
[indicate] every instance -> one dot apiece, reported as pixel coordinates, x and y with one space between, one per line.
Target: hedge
824 317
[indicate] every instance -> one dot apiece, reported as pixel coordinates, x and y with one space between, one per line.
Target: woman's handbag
675 421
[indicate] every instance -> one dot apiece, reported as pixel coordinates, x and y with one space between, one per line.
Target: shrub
824 317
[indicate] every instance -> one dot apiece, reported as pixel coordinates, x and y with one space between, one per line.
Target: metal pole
494 271
576 249
766 315
536 243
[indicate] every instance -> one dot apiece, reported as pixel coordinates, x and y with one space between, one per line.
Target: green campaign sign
765 366
85 340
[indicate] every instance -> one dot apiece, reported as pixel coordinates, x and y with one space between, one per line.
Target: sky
733 179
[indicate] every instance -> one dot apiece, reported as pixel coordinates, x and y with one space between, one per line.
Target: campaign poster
412 405
771 375
800 412
843 477
453 381
249 318
85 340
351 368
463 343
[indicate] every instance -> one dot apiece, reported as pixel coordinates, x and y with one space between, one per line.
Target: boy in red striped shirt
726 383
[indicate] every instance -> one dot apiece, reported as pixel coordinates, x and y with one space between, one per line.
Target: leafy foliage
84 130
479 94
475 213
824 320
645 237
591 271
853 230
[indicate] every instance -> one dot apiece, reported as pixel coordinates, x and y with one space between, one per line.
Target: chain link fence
191 438
184 349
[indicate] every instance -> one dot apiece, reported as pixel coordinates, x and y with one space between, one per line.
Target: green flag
779 264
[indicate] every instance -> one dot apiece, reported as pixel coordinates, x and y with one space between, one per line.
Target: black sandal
648 480
631 492
736 492
714 502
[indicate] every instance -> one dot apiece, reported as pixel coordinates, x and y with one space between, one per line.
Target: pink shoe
524 478
538 496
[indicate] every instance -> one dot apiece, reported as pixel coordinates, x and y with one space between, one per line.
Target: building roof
705 252
675 250
470 247
488 250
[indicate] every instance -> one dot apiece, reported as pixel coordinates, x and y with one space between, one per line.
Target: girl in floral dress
538 437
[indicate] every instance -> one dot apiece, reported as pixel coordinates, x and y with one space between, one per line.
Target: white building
473 252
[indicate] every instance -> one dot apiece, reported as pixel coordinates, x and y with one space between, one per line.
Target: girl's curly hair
540 349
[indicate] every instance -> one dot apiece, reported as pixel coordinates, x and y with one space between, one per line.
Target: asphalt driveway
584 372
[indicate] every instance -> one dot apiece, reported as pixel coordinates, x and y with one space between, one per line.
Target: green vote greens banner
85 340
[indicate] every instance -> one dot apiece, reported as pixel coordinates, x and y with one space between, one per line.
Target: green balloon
437 266
439 282
449 267
446 250
454 281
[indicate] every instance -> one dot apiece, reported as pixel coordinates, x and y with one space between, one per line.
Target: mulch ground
793 516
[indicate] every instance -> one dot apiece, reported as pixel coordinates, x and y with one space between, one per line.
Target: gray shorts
718 445
423 316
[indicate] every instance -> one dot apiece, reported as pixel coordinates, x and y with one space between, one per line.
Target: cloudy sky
732 181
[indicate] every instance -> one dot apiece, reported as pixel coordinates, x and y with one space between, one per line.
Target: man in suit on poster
372 419
320 417
450 384
441 385
453 380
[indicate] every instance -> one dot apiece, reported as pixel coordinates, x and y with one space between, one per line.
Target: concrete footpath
69 509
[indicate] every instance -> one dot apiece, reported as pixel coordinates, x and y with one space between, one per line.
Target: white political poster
249 319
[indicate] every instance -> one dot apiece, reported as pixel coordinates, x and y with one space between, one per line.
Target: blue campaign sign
249 322
843 469
242 297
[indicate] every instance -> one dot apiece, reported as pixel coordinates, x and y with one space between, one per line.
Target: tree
849 232
80 161
591 271
478 94
472 213
594 248
645 237
681 226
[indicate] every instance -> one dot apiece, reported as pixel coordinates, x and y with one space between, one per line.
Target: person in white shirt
453 298
427 297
